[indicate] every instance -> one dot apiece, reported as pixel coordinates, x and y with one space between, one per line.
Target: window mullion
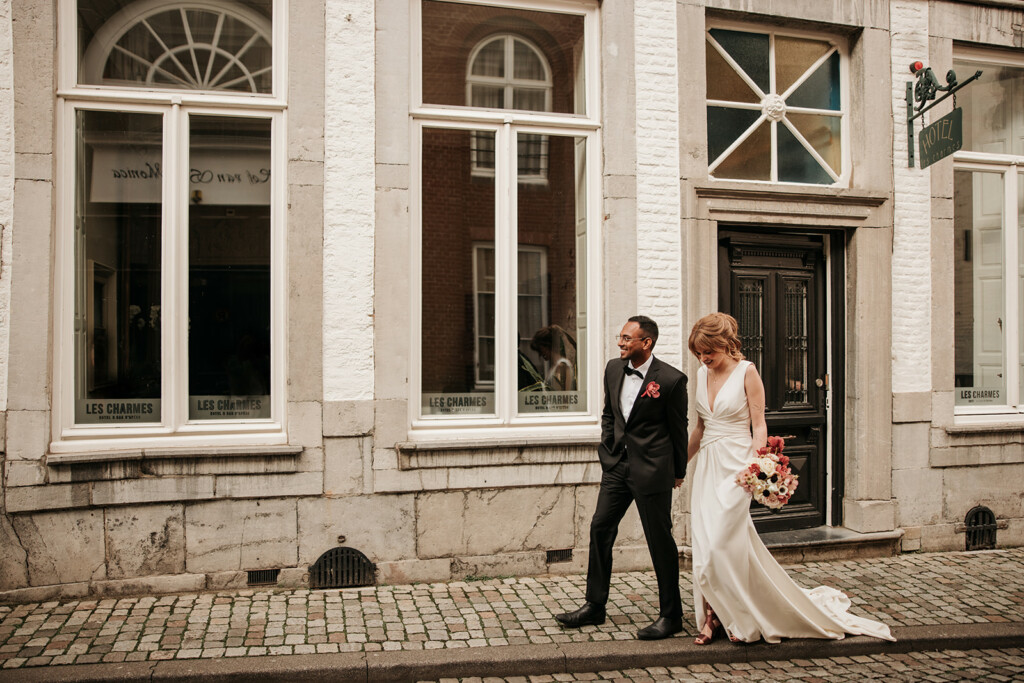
174 245
1012 283
505 274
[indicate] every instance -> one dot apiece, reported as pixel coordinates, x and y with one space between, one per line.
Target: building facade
282 276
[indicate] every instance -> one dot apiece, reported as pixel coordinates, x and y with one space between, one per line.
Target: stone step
822 544
827 544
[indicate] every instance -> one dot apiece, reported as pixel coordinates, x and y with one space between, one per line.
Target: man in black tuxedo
643 457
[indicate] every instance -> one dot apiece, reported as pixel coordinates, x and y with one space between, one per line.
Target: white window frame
505 124
1011 167
842 47
174 430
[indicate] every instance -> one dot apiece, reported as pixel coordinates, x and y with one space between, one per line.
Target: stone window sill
494 452
985 427
167 453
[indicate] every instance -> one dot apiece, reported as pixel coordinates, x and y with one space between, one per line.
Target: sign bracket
924 92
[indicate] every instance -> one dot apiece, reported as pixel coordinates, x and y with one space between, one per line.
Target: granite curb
520 660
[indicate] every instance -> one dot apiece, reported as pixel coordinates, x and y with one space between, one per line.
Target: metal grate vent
981 528
559 555
342 568
262 577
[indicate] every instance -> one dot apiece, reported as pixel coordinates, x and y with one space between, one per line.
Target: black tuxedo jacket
655 435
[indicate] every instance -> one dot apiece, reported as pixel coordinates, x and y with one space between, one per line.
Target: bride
738 586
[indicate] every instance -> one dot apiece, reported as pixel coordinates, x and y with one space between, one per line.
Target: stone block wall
203 523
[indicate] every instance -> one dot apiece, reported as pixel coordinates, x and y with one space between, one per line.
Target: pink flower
651 391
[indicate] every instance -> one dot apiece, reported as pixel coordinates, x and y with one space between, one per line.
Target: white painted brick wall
911 252
659 246
6 186
349 202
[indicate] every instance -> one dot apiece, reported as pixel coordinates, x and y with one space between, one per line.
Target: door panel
775 287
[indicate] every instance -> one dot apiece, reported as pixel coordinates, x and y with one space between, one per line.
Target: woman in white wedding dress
737 584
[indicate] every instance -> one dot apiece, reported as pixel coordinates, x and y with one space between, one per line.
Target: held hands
679 482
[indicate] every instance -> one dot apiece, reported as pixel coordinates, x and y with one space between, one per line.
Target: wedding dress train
750 592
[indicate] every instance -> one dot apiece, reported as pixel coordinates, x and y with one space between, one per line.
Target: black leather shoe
590 614
663 627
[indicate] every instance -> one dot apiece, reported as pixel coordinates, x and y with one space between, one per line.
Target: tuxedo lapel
652 374
615 386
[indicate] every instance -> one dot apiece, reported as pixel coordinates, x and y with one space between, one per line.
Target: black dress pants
616 494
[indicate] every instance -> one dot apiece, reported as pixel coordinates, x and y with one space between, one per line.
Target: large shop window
170 257
775 106
988 258
507 136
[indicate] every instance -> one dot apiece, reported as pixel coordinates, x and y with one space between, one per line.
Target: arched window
507 71
192 45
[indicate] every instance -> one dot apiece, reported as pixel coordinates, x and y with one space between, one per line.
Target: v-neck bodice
730 414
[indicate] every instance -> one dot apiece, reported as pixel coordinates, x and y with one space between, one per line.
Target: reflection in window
458 323
978 289
229 268
773 106
502 58
993 123
507 72
177 45
503 254
554 221
117 268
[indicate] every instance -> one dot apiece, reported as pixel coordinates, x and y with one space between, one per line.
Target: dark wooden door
775 287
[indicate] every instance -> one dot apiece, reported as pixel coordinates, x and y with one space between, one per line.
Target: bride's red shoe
712 625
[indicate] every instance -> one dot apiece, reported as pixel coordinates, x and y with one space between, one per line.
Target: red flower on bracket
651 391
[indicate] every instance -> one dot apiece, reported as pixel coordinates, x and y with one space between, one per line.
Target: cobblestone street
911 590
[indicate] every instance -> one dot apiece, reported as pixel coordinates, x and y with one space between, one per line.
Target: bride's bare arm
693 445
755 404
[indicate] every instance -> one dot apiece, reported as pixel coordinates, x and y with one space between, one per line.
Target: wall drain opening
262 577
981 528
564 555
342 568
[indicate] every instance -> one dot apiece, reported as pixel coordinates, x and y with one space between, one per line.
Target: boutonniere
651 391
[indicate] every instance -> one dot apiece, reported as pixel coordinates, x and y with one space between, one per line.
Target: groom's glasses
625 338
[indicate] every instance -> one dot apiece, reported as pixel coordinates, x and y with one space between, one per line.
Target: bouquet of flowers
768 478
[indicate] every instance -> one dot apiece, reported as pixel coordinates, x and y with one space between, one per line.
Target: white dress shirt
631 387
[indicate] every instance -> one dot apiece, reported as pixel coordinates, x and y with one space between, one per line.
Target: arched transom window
509 72
193 45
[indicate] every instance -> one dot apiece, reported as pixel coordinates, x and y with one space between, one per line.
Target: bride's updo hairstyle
716 332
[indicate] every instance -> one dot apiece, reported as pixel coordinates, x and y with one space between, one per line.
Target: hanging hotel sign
942 138
945 136
132 174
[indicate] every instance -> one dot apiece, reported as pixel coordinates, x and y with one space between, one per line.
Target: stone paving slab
911 590
948 665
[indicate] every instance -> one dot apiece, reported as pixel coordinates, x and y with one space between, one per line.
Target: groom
643 457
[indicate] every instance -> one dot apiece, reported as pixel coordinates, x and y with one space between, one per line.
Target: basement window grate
564 555
342 568
262 577
981 528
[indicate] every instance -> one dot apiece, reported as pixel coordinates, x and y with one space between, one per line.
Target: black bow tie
631 371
